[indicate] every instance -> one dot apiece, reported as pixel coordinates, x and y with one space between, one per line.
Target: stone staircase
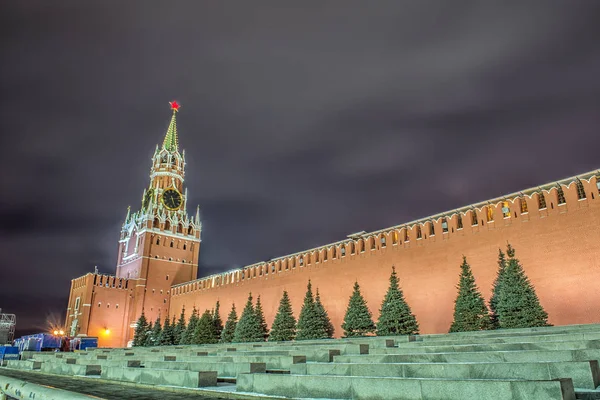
536 363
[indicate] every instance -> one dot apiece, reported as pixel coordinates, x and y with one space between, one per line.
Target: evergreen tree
205 330
167 335
310 324
284 324
470 311
248 327
358 321
518 305
229 330
260 315
156 333
496 290
148 335
217 321
395 315
329 329
188 336
141 330
180 328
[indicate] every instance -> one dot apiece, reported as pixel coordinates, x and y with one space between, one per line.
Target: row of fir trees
513 304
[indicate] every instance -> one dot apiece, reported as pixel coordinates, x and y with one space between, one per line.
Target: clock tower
159 246
160 243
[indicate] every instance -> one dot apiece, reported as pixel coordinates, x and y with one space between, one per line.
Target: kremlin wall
554 228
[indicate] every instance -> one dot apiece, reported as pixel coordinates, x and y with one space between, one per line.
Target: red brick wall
557 247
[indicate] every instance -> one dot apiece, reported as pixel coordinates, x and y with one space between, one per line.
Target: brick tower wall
558 247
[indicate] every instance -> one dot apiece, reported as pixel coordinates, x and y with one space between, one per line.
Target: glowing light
107 331
55 332
61 332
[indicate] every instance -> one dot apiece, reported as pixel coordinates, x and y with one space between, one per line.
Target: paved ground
102 389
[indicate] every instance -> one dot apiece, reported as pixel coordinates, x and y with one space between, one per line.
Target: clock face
149 195
171 199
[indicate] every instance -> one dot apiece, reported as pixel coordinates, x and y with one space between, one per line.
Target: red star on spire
174 105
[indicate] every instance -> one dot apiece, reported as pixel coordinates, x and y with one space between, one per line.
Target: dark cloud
301 123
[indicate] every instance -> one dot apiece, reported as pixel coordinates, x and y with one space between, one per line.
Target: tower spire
171 142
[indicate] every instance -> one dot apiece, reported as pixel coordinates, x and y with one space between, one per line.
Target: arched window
325 254
474 221
541 201
185 246
523 204
343 251
560 195
444 225
406 235
333 252
490 213
419 233
505 209
431 229
171 243
301 261
395 237
382 239
352 248
459 223
157 241
580 190
372 242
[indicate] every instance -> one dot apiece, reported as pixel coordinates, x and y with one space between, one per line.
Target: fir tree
229 330
217 321
180 328
284 324
141 330
470 311
496 290
260 315
148 335
518 305
395 315
248 327
358 321
188 336
167 335
329 329
310 324
156 333
205 330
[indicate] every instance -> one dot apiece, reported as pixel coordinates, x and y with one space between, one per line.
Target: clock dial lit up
171 198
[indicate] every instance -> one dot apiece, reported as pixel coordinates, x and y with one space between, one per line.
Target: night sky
301 124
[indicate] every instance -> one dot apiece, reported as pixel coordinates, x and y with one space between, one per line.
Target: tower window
459 224
490 214
324 254
333 252
171 244
383 244
157 241
580 190
541 201
352 248
406 236
395 237
431 229
560 195
419 234
372 241
523 204
185 246
99 304
474 218
301 261
444 225
343 251
505 209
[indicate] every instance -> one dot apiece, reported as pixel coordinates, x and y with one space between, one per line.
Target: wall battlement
538 202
